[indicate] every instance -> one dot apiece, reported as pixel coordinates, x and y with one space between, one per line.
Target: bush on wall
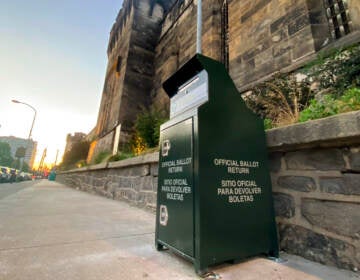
327 86
336 72
147 130
327 105
280 101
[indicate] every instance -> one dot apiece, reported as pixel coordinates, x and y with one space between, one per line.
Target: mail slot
214 198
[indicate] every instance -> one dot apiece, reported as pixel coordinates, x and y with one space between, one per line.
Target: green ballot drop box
214 198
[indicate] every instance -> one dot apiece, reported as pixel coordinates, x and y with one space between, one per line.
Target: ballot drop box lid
214 198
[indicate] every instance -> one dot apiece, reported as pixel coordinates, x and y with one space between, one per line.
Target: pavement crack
75 242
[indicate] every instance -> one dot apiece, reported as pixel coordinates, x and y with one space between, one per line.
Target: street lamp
32 125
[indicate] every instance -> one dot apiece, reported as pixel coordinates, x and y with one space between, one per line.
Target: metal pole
57 153
199 27
32 125
30 132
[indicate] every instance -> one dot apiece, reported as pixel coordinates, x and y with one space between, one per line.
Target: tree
5 154
17 165
20 152
25 167
147 126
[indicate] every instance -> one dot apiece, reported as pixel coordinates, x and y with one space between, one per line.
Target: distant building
16 143
72 139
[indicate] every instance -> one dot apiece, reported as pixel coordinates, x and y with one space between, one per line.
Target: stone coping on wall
143 159
332 131
147 158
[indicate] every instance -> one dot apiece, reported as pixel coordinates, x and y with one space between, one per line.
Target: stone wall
258 37
268 35
133 180
315 170
140 62
177 43
255 39
354 10
104 144
118 49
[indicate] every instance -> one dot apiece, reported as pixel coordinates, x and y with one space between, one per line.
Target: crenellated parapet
119 25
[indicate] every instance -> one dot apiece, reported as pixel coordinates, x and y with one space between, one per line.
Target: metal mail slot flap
191 94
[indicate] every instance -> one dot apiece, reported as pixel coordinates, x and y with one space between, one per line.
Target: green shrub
268 124
337 71
318 109
147 126
5 154
350 101
329 106
81 163
121 156
101 157
287 99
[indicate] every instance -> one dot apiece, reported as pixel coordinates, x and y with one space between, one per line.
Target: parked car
4 174
13 175
23 176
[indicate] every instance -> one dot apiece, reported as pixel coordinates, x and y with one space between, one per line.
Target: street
49 231
7 189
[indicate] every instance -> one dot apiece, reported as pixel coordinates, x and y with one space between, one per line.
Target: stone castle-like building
73 139
151 39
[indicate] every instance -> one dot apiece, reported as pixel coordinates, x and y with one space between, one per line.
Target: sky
53 57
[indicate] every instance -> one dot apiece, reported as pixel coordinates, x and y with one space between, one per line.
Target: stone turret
130 70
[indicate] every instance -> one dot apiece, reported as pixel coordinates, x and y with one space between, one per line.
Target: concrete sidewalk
49 231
